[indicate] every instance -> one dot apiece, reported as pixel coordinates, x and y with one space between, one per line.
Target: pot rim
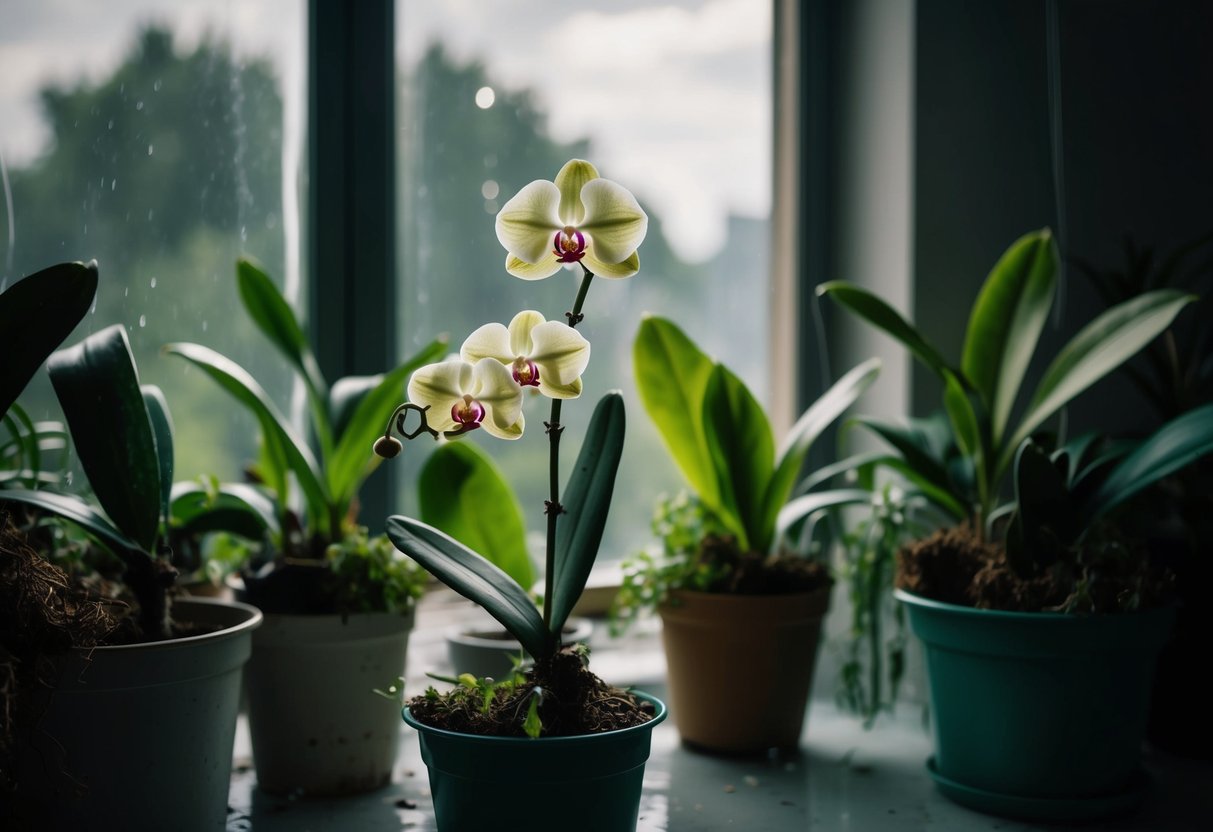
662 712
249 624
461 634
914 600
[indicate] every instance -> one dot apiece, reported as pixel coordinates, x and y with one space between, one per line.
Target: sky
675 96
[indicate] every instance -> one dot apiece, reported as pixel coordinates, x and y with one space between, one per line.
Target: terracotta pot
139 736
740 666
318 728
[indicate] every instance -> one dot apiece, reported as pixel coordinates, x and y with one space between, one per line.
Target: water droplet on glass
111 124
490 160
490 189
126 292
243 234
114 184
67 478
139 105
149 150
490 206
156 86
204 326
153 283
485 97
142 321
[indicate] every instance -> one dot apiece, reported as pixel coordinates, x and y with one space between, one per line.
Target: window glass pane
672 100
160 139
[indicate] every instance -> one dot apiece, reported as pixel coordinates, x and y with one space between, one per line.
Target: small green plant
345 419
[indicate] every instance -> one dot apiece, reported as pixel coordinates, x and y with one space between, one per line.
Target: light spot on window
485 97
489 189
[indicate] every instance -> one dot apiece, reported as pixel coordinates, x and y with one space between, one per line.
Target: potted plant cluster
126 701
1040 621
555 730
741 604
338 604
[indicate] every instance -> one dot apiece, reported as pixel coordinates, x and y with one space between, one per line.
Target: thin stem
552 507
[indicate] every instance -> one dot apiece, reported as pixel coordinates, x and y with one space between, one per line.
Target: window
673 101
160 139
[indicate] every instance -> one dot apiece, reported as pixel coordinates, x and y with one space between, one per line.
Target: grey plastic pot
139 737
318 728
491 651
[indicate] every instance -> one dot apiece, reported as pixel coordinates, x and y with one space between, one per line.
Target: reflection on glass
672 100
153 137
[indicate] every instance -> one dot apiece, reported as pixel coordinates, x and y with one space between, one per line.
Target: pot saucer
1061 809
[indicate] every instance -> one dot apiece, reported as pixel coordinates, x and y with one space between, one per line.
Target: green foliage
980 393
722 441
463 493
371 576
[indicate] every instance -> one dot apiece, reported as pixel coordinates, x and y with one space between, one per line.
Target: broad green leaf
1045 517
368 401
1005 324
1100 347
878 313
801 507
275 429
231 507
672 375
98 388
276 320
474 578
820 415
77 511
36 314
587 499
462 493
162 432
943 499
1076 454
743 455
848 465
921 463
967 429
1172 447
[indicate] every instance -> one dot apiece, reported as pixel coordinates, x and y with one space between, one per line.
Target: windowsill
844 779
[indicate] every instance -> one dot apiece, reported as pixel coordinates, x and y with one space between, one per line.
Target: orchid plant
579 222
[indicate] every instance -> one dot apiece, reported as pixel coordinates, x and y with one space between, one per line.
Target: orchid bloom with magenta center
462 397
579 218
549 355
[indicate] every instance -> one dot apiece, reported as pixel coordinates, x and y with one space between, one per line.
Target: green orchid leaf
231 507
474 578
1174 446
1006 322
75 510
463 493
1100 347
162 432
672 377
878 313
819 416
921 459
743 456
276 320
1076 454
98 388
361 407
801 507
1045 519
587 499
36 314
280 440
966 426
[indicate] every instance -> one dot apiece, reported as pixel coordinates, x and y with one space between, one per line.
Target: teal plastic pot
1039 715
591 783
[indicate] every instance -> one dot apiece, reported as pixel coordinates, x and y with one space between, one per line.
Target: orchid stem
552 508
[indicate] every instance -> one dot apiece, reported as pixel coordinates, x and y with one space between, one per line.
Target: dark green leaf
1100 347
587 499
1172 447
275 318
232 507
1006 322
743 456
369 402
474 578
802 507
275 429
878 313
919 458
98 389
970 438
162 432
77 511
1045 519
463 494
672 376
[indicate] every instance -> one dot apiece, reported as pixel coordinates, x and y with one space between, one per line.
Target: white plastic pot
318 728
491 651
139 737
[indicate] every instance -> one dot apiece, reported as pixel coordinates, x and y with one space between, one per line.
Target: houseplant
166 677
338 604
741 610
986 602
556 730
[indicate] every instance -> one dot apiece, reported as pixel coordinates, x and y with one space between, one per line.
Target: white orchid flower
549 355
578 218
462 397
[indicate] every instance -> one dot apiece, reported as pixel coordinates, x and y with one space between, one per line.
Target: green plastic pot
1039 715
591 783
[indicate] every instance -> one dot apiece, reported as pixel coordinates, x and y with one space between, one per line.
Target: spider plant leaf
878 313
